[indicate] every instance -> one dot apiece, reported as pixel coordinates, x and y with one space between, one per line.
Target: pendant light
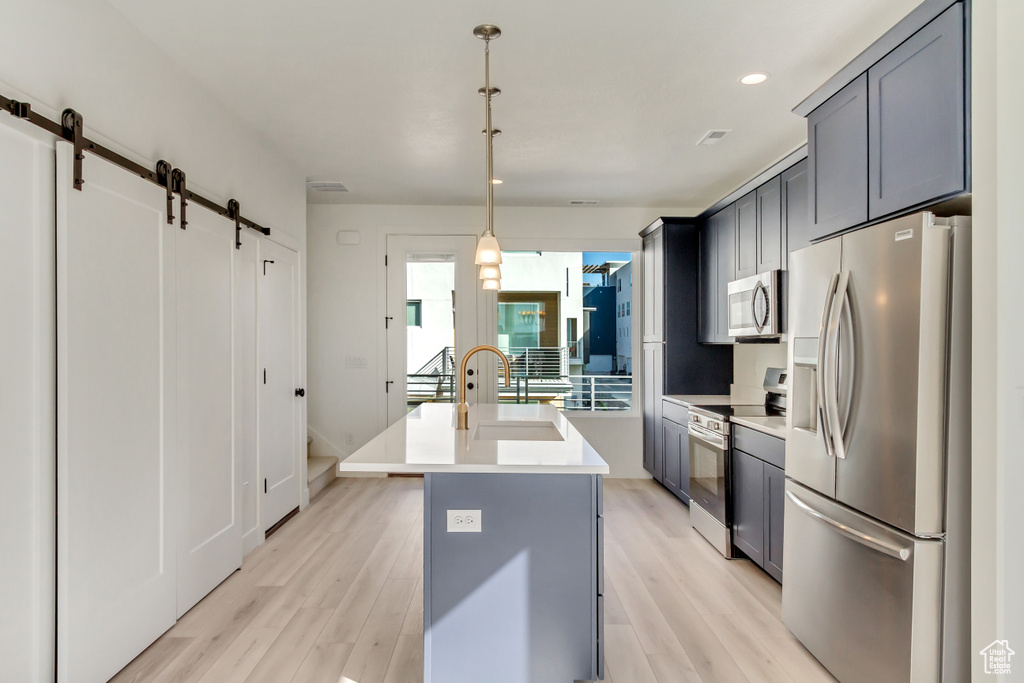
490 272
488 253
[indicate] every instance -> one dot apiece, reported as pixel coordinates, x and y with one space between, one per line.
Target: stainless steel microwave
754 306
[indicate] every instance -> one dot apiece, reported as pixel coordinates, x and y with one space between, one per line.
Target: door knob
300 392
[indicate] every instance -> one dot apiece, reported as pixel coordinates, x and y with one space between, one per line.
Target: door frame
397 249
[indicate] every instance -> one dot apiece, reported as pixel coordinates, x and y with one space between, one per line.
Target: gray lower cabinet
522 599
654 377
837 149
774 510
676 444
758 491
917 118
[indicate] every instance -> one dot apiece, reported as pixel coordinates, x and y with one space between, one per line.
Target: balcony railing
538 361
539 375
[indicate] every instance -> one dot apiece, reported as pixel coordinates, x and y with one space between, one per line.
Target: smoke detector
712 137
583 202
326 186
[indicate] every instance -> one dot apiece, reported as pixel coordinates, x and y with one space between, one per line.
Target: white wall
133 98
749 362
997 544
346 305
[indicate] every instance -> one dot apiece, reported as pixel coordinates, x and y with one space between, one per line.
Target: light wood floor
336 596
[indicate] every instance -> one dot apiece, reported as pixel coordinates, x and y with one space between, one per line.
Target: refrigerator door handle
900 553
823 418
831 398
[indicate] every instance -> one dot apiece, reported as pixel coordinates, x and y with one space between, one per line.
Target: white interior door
27 402
246 276
209 472
443 289
278 317
116 583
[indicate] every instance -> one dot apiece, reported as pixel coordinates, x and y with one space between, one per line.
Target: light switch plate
464 521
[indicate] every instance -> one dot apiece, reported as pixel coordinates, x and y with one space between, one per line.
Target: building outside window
554 360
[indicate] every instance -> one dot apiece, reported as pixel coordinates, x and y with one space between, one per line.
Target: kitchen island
513 541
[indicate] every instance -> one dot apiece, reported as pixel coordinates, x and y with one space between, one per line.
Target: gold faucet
463 407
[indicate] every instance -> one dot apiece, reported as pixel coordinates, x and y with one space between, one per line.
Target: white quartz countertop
773 426
426 440
688 400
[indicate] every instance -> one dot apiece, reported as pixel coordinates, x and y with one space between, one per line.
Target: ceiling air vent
583 202
326 186
712 137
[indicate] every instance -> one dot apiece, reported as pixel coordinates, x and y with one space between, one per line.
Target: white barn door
116 583
209 470
280 468
27 398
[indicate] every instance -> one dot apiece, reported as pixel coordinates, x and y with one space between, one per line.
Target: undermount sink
517 430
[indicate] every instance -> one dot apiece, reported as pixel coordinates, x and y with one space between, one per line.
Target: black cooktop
726 412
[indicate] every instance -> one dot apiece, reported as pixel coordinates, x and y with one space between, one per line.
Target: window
414 313
561 322
628 306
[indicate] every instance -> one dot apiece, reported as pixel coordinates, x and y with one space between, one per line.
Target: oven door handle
709 438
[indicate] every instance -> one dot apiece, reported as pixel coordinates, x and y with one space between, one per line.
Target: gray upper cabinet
746 235
654 287
725 244
837 150
708 283
916 118
771 238
796 214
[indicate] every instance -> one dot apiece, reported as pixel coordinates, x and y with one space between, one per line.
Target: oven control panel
712 423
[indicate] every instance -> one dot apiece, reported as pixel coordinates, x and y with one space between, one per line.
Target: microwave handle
759 288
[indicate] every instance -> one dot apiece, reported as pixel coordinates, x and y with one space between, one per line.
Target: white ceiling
600 100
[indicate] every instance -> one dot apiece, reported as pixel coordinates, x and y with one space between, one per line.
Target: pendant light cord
490 137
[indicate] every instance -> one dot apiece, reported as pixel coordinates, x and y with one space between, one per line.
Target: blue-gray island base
520 601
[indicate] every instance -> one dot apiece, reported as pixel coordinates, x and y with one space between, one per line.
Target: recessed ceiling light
754 78
496 181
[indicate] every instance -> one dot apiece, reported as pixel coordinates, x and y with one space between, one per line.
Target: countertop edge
770 431
471 469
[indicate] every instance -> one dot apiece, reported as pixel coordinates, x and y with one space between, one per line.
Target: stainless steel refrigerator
877 506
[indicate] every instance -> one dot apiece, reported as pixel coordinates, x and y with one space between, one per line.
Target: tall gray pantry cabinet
675 362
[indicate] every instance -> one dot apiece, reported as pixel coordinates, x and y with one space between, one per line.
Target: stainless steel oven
754 306
709 478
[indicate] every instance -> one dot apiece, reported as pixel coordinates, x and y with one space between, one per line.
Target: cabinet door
774 509
708 283
654 287
746 235
796 216
684 463
725 255
654 355
649 401
916 118
837 149
771 239
748 505
670 438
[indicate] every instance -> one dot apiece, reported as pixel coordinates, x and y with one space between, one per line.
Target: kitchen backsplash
751 360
